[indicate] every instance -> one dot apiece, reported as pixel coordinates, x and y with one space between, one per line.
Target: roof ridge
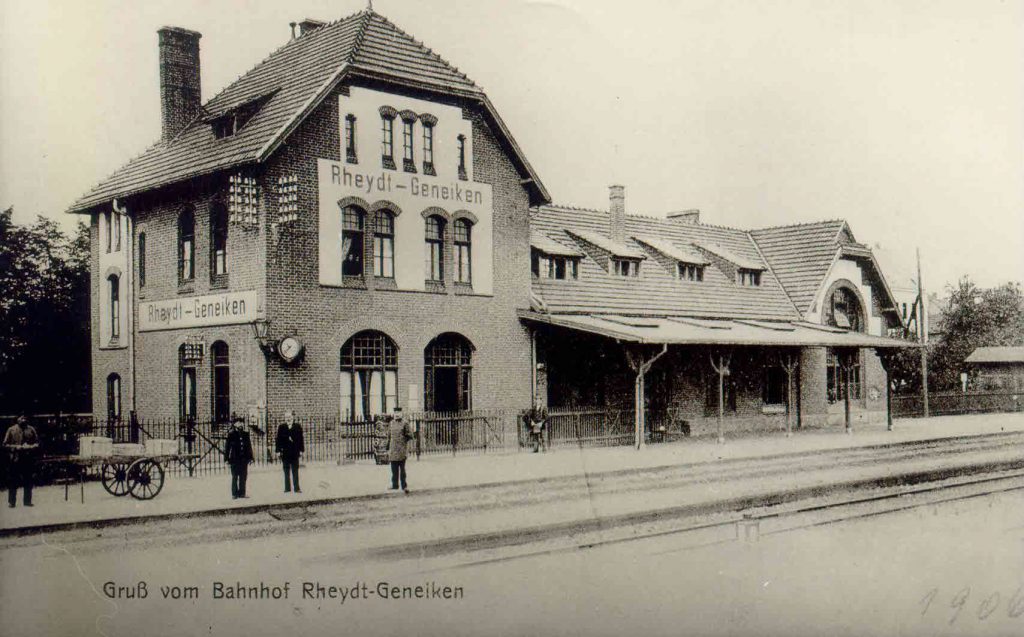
358 42
290 42
666 220
431 52
799 225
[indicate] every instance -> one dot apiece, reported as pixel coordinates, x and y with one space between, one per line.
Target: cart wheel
115 478
145 479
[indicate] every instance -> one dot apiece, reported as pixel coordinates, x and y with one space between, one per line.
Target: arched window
448 373
186 386
113 397
369 375
352 223
114 291
843 310
384 244
186 245
218 240
142 259
221 389
463 248
435 249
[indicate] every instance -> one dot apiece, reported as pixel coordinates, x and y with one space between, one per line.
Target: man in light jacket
399 435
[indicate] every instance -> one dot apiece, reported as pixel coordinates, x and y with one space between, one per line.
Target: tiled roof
673 251
725 253
800 256
299 74
549 246
996 355
613 248
657 291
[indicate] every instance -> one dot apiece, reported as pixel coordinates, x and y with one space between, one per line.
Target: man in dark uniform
399 435
290 445
238 455
21 444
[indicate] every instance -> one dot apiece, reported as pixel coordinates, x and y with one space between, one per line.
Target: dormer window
748 278
626 267
224 126
690 272
350 139
229 122
545 266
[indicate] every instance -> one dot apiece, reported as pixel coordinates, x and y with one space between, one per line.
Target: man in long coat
21 444
290 445
399 435
238 455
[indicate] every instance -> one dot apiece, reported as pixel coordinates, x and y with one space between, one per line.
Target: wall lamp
261 330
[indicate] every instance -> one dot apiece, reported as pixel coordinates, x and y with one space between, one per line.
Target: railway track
469 502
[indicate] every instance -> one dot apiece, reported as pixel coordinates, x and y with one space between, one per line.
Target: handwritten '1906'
987 606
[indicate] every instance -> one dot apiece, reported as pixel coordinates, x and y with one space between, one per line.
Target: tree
44 317
975 318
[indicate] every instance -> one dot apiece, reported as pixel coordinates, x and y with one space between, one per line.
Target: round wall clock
290 349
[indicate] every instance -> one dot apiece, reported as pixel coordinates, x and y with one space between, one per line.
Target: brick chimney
617 208
691 216
309 24
180 92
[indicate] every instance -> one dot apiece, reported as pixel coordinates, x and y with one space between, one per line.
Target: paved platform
210 495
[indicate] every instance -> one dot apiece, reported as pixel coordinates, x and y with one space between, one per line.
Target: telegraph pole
922 335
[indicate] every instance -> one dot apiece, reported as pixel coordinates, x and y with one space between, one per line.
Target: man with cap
21 443
399 435
238 455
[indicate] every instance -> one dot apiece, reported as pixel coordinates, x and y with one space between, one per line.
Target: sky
904 117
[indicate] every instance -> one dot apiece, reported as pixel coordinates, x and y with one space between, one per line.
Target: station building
350 227
341 230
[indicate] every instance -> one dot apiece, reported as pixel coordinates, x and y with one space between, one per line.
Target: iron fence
589 427
954 403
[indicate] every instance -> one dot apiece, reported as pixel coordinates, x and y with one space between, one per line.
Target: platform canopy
678 330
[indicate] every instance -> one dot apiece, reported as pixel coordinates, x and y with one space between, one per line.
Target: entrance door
446 389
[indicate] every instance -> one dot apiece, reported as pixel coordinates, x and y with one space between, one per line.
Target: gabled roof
800 256
673 251
300 75
996 355
657 291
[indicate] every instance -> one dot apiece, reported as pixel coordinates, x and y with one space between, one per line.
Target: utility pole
922 334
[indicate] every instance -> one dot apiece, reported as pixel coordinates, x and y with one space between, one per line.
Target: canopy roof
680 330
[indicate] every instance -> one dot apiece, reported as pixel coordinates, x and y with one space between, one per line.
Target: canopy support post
641 367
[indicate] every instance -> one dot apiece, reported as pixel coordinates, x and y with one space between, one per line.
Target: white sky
904 117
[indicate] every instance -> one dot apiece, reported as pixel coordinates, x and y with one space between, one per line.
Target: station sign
228 308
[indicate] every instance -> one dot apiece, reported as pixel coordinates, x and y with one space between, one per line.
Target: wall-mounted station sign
229 308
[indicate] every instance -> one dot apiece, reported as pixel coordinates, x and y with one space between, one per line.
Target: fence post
419 438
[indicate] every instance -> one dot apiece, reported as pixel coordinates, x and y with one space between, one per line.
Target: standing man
538 418
21 443
238 455
399 435
290 445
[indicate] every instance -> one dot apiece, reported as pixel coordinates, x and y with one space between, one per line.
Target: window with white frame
556 267
626 267
387 138
408 152
463 251
434 253
748 278
369 376
461 145
690 272
350 139
384 244
218 240
114 298
353 221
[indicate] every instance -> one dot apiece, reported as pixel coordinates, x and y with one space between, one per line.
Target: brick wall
324 318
